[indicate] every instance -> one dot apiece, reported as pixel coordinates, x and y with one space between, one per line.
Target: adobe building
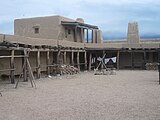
55 40
58 28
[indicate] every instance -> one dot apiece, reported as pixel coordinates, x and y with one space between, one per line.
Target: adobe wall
48 27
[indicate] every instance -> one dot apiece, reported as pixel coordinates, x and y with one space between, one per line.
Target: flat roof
78 24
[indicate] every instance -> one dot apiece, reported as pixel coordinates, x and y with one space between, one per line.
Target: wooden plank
12 67
47 62
15 56
78 61
7 70
38 65
90 61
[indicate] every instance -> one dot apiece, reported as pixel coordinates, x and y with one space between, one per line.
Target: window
36 30
69 31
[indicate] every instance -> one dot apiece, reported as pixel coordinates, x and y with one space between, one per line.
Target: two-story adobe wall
68 32
40 27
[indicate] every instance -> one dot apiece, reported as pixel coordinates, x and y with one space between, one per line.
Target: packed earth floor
128 95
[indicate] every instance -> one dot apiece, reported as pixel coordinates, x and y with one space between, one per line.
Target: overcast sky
112 16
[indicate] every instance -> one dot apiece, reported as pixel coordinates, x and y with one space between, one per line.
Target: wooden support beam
65 57
75 34
144 60
38 65
159 64
87 37
78 65
12 67
47 61
103 53
90 61
25 69
85 59
159 74
132 59
96 61
16 56
58 56
82 35
92 36
72 58
159 55
118 53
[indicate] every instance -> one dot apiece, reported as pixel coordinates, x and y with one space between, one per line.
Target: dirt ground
129 95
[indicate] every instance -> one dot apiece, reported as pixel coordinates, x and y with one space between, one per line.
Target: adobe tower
133 33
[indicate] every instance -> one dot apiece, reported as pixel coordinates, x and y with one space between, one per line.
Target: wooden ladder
32 79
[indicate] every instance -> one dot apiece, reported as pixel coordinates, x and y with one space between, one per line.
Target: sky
111 16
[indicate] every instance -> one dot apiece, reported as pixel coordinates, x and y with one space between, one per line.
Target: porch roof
78 24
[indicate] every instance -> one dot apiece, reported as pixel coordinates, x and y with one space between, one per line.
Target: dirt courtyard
129 95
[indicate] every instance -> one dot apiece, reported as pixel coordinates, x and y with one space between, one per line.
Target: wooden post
47 61
25 68
118 53
38 65
92 37
58 56
85 59
76 34
65 58
78 65
159 63
144 60
132 59
72 58
102 66
159 71
96 61
90 61
159 74
87 37
12 67
82 35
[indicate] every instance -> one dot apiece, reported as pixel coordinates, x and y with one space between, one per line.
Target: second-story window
69 31
36 30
